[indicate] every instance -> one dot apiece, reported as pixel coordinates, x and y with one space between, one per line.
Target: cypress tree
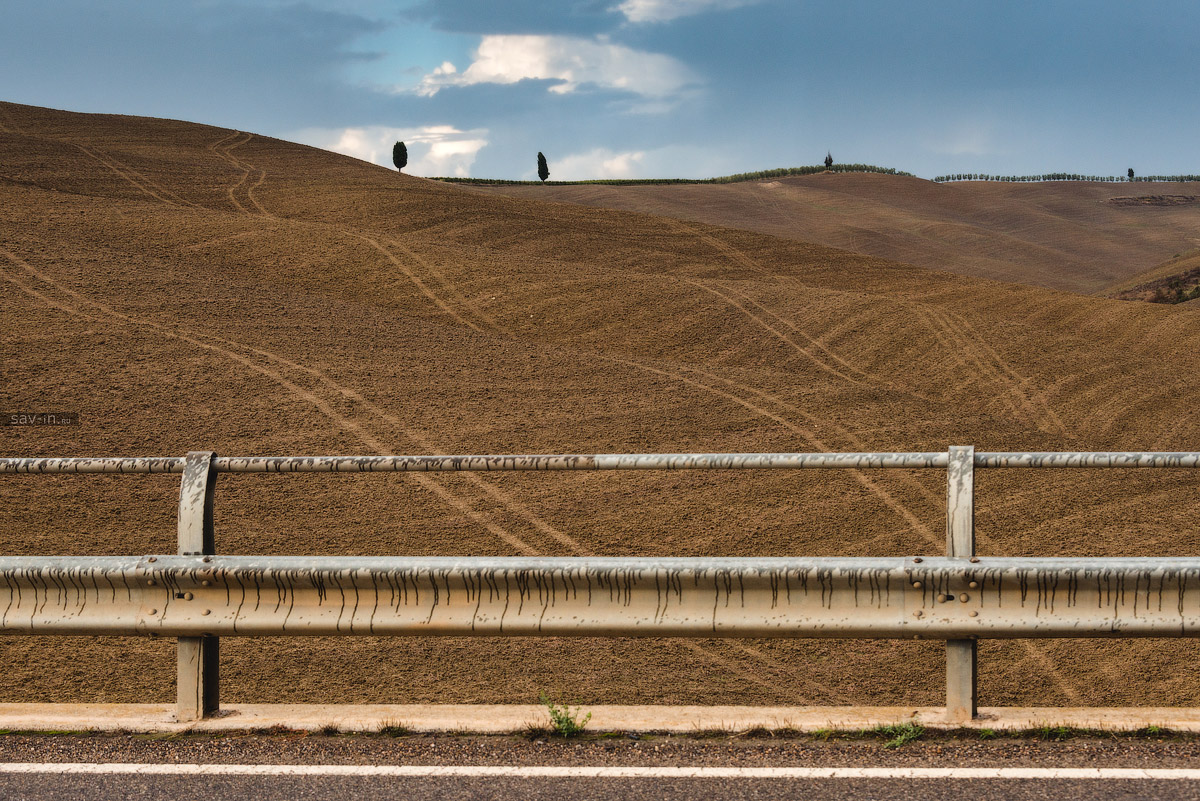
543 168
400 155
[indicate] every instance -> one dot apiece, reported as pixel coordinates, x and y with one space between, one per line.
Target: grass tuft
1057 734
393 728
900 734
563 721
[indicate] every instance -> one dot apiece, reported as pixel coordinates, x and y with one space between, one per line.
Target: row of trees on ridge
1062 176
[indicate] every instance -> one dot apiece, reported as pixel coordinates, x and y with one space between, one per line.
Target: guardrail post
962 691
198 681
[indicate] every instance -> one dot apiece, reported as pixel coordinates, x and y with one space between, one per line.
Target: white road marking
604 772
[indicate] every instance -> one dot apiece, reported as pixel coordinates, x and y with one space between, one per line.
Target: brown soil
183 287
1163 283
1155 200
1064 235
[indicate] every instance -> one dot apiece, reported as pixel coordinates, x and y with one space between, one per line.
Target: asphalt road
454 752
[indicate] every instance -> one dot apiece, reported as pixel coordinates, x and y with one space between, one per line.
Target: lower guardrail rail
198 596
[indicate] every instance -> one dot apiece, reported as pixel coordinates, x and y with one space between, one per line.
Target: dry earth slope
1076 236
184 286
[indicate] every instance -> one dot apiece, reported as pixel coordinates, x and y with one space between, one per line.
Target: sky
642 88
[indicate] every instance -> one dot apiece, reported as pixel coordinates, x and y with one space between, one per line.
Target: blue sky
642 88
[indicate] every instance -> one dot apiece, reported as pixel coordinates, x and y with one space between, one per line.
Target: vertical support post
962 690
198 681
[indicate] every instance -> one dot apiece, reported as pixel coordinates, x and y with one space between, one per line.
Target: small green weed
987 734
900 734
564 722
822 734
1056 733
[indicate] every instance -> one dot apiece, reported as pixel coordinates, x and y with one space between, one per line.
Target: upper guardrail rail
603 461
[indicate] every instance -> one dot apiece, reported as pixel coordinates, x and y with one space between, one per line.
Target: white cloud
673 161
433 150
666 10
570 61
598 163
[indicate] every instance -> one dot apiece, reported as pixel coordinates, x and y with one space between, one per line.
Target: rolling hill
1075 236
1162 283
183 286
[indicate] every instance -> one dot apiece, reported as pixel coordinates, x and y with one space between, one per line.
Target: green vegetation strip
781 172
1064 176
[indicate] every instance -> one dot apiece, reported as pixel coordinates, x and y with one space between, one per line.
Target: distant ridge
1077 236
779 172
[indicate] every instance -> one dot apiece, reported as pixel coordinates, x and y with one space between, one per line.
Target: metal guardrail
199 597
932 598
599 461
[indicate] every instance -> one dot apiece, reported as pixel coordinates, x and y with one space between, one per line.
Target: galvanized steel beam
598 461
198 661
1089 459
962 656
83 464
932 597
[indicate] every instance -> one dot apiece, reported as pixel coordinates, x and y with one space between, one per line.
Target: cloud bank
667 10
433 150
570 62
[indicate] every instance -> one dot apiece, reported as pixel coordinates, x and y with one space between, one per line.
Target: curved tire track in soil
1033 407
521 510
970 350
1036 651
221 149
811 437
819 355
1022 386
324 408
248 169
697 648
807 354
123 171
368 439
141 182
975 349
414 279
425 446
448 286
733 253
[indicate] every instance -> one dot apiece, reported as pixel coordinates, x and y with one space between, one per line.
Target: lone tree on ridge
543 168
400 155
1131 173
828 160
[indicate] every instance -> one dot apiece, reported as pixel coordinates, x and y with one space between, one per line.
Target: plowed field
183 286
1072 235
